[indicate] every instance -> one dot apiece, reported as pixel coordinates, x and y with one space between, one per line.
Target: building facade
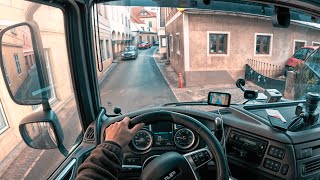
121 27
212 47
144 24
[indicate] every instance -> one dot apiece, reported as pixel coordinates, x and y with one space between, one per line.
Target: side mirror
23 65
281 17
42 130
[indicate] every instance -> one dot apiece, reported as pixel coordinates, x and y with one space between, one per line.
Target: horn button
170 165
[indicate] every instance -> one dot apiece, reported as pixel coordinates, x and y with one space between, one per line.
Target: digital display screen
162 133
163 126
219 99
248 141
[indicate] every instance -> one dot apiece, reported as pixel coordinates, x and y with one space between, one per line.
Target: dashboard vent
89 134
311 166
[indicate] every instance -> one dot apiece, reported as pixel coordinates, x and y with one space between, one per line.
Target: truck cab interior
264 135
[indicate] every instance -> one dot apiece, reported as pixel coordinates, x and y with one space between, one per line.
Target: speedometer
142 140
184 138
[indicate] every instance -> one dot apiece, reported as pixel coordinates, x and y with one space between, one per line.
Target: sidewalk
198 93
109 69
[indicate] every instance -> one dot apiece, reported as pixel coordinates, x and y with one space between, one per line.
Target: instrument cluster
164 134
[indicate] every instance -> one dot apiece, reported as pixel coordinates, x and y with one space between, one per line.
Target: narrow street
135 84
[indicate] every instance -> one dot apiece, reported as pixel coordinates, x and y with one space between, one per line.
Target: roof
136 20
137 10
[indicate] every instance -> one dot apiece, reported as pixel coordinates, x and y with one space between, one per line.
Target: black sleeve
103 163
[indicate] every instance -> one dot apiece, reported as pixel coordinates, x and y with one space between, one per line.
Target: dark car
156 43
144 45
129 52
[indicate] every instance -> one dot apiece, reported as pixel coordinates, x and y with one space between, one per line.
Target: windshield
131 48
202 50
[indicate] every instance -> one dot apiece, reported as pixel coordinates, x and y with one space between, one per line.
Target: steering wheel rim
213 144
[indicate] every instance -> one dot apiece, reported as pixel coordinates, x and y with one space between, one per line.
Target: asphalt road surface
135 84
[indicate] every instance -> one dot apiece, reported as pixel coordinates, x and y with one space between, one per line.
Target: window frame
171 43
101 49
5 119
294 44
270 44
107 49
6 73
316 42
178 43
227 46
17 62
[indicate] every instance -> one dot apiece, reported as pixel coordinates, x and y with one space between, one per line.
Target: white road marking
102 94
122 91
33 164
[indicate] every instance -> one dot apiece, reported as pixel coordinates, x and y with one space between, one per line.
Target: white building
120 29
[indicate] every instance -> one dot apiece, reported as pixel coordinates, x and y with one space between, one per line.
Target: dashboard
254 148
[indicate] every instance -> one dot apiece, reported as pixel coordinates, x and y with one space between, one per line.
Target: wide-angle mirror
21 66
40 135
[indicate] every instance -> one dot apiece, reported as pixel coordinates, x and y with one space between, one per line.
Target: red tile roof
136 20
136 12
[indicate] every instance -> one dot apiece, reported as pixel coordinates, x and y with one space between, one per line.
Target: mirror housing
281 17
42 130
31 85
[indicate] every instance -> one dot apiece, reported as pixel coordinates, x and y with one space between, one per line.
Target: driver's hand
120 133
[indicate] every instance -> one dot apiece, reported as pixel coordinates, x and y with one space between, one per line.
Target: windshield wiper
196 103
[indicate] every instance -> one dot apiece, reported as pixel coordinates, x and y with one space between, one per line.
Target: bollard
180 80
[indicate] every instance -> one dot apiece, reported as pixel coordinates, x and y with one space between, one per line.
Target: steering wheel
174 165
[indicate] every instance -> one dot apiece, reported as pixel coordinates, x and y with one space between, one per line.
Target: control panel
245 147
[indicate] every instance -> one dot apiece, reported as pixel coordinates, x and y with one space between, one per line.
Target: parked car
300 56
144 45
129 52
156 43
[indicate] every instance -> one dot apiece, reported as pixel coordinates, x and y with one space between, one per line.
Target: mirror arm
46 106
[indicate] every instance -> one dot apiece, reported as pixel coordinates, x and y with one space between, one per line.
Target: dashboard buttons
276 152
271 165
201 157
133 161
284 169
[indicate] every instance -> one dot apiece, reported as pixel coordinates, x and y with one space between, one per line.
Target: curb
109 70
163 74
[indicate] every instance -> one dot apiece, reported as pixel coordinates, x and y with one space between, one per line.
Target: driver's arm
105 161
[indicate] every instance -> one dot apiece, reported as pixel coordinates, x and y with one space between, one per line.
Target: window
171 43
140 39
178 43
150 23
313 61
263 44
129 23
126 21
122 18
16 59
107 48
315 43
102 54
302 54
7 75
51 23
99 9
218 43
148 38
163 42
105 12
299 44
3 120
